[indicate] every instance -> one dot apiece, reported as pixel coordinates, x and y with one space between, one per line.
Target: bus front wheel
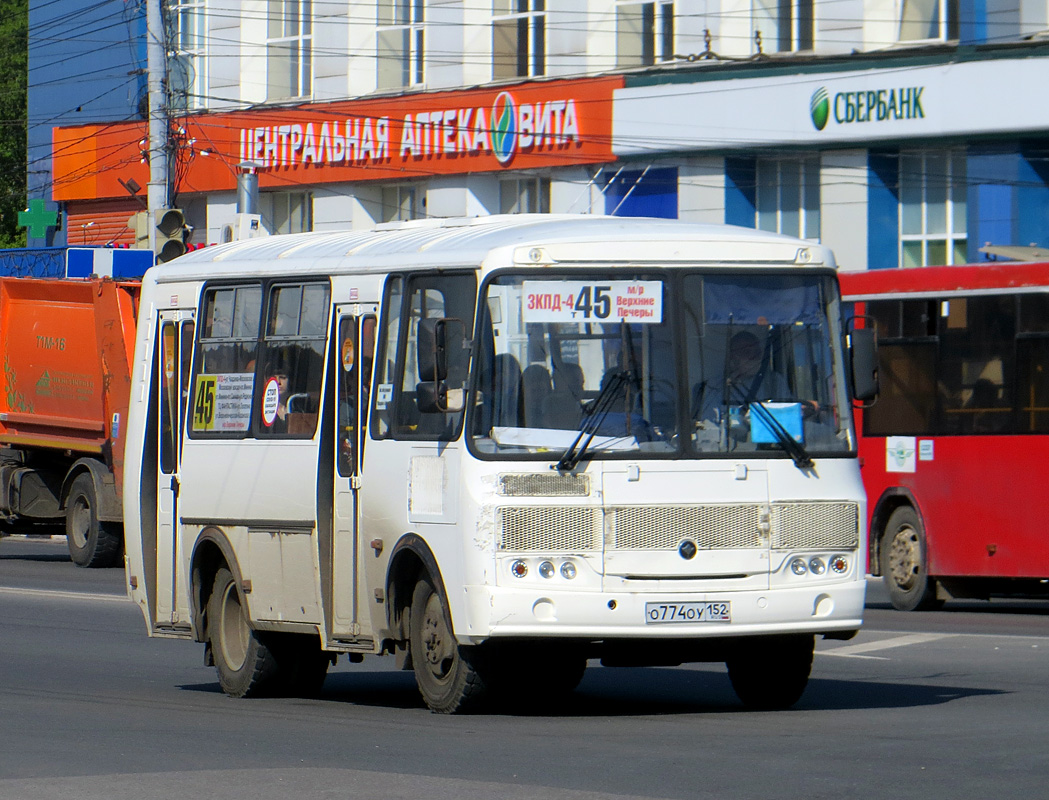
246 666
904 563
770 673
447 680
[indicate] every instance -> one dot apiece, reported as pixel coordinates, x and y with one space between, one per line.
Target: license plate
712 611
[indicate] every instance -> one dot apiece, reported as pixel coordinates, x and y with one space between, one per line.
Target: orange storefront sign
531 125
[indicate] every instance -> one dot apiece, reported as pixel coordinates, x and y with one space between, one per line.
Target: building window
400 43
785 25
922 20
186 73
932 208
400 203
644 34
524 196
518 38
289 49
286 212
788 196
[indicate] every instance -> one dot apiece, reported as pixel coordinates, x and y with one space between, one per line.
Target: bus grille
815 526
794 526
549 528
711 527
540 484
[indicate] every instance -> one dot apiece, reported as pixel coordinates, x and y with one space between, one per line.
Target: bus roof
1009 275
562 239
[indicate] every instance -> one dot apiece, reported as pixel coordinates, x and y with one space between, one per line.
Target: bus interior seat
536 387
506 391
563 408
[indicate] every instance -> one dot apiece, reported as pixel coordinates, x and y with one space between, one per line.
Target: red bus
954 450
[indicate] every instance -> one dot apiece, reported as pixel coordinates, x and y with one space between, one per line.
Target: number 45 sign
592 301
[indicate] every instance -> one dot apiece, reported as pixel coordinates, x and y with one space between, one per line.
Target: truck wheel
91 543
770 673
246 665
904 563
447 680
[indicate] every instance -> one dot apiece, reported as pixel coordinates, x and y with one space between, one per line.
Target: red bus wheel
904 563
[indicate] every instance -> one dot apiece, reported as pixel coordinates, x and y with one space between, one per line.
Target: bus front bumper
498 612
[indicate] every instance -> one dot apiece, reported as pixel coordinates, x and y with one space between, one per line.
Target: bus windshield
658 364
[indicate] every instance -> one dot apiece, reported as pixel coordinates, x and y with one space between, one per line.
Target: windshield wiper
795 449
602 404
599 408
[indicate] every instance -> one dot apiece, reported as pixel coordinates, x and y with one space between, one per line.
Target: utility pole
158 192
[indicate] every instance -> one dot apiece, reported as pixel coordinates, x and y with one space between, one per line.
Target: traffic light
163 231
169 232
139 223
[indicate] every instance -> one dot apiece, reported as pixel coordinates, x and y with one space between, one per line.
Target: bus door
354 350
175 338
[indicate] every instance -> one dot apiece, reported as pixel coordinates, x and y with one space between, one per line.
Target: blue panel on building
644 193
741 191
883 214
1008 198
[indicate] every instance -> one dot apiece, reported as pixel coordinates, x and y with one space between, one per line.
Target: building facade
898 132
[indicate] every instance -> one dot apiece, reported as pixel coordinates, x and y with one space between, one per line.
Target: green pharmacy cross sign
37 218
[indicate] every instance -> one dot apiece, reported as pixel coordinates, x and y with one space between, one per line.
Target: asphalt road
941 704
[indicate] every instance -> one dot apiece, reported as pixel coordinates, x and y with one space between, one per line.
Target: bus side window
976 364
907 398
386 363
220 394
292 359
354 383
428 296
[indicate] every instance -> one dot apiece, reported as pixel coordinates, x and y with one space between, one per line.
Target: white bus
496 448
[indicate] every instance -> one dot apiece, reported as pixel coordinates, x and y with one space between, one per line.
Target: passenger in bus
354 394
280 421
987 414
749 376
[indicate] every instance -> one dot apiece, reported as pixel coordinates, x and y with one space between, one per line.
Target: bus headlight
797 566
546 569
568 570
816 566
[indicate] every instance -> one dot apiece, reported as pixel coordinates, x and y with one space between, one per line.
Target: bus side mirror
441 354
441 349
435 396
863 356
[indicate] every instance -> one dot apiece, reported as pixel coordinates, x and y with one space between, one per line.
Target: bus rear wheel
92 543
904 563
447 680
247 667
770 673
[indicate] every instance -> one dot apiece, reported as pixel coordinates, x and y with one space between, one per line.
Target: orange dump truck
67 349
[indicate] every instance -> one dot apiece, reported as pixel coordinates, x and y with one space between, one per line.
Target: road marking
119 598
276 784
861 650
